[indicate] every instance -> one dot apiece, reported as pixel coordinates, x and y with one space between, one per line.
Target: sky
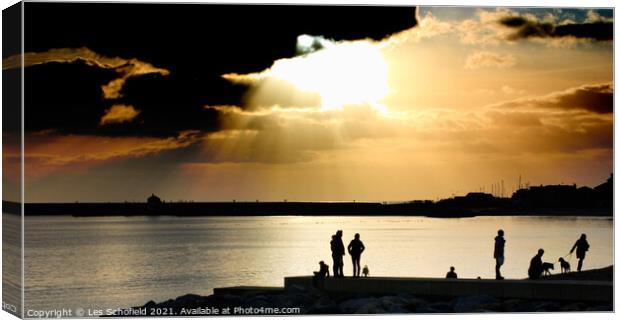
319 103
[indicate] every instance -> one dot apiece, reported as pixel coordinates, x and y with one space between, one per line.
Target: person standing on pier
582 246
498 253
337 247
355 248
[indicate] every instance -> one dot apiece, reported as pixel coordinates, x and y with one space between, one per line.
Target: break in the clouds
481 59
338 73
503 24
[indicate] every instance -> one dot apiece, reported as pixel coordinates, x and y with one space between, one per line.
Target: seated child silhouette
321 274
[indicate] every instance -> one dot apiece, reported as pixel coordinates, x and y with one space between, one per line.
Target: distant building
153 202
153 199
472 200
604 193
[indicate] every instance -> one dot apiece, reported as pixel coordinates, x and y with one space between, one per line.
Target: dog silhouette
546 267
564 265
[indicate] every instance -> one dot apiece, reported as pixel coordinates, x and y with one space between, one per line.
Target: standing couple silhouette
355 249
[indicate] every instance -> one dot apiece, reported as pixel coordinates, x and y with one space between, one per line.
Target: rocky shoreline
315 302
299 300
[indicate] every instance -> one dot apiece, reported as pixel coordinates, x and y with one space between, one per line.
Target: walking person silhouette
498 253
582 246
355 248
337 247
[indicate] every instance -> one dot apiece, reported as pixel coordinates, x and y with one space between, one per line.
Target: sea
117 262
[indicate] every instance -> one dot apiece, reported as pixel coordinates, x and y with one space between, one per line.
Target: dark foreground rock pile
316 302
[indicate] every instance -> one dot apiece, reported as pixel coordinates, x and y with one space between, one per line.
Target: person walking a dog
536 265
498 253
582 246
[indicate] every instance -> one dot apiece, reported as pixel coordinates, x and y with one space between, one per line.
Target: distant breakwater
417 208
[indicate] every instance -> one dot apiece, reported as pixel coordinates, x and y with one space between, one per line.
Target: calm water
126 261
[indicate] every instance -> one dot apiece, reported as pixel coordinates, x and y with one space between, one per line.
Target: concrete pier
599 291
241 290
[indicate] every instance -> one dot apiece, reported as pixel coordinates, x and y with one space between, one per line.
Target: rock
352 305
437 307
324 305
371 308
601 307
223 300
510 304
303 301
257 302
397 309
414 304
577 306
471 303
546 306
389 301
167 304
405 296
492 307
150 304
189 301
518 305
387 304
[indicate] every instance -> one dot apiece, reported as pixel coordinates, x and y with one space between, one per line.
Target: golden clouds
596 98
481 59
339 74
47 153
126 68
119 113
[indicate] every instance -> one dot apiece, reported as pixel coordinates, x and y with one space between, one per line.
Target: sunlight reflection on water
111 262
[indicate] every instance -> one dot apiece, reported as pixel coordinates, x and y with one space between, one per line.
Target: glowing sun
346 73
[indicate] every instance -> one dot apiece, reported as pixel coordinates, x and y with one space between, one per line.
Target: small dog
546 267
564 265
365 271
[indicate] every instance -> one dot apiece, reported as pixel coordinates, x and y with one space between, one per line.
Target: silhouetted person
498 253
582 246
355 248
536 265
337 252
451 274
321 274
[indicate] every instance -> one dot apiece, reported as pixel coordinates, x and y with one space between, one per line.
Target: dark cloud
527 28
243 38
596 98
196 44
601 31
64 97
